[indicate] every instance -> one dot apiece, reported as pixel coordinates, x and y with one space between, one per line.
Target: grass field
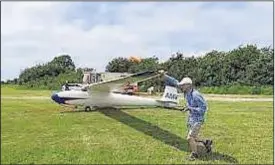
36 131
13 90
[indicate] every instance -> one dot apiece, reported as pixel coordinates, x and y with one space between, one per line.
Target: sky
94 33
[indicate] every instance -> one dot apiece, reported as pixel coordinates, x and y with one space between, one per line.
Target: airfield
36 130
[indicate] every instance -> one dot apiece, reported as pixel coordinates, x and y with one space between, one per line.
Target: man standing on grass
196 106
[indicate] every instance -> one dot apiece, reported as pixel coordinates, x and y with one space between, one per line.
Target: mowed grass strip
13 90
35 131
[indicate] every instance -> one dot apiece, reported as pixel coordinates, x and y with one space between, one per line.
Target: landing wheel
88 108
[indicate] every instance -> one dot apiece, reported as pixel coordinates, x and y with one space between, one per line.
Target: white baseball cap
185 80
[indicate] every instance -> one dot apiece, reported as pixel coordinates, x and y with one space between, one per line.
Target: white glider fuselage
102 94
113 99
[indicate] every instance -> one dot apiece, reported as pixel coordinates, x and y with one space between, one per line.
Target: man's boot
208 145
193 156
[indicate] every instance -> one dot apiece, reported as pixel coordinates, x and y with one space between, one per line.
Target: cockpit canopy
73 86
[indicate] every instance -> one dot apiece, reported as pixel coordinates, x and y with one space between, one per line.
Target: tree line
50 75
245 66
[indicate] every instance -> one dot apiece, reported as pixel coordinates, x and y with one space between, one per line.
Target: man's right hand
161 71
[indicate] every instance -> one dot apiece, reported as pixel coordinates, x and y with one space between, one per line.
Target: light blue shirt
195 102
197 105
170 81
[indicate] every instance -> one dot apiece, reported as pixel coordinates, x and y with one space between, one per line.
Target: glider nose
57 99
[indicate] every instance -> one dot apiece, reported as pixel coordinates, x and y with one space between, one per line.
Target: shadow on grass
161 134
147 128
156 132
218 156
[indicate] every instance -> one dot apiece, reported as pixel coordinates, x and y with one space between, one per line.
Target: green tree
119 64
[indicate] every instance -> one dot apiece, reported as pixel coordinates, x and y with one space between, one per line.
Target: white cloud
35 32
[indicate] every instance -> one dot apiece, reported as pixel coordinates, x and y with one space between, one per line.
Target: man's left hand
185 109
